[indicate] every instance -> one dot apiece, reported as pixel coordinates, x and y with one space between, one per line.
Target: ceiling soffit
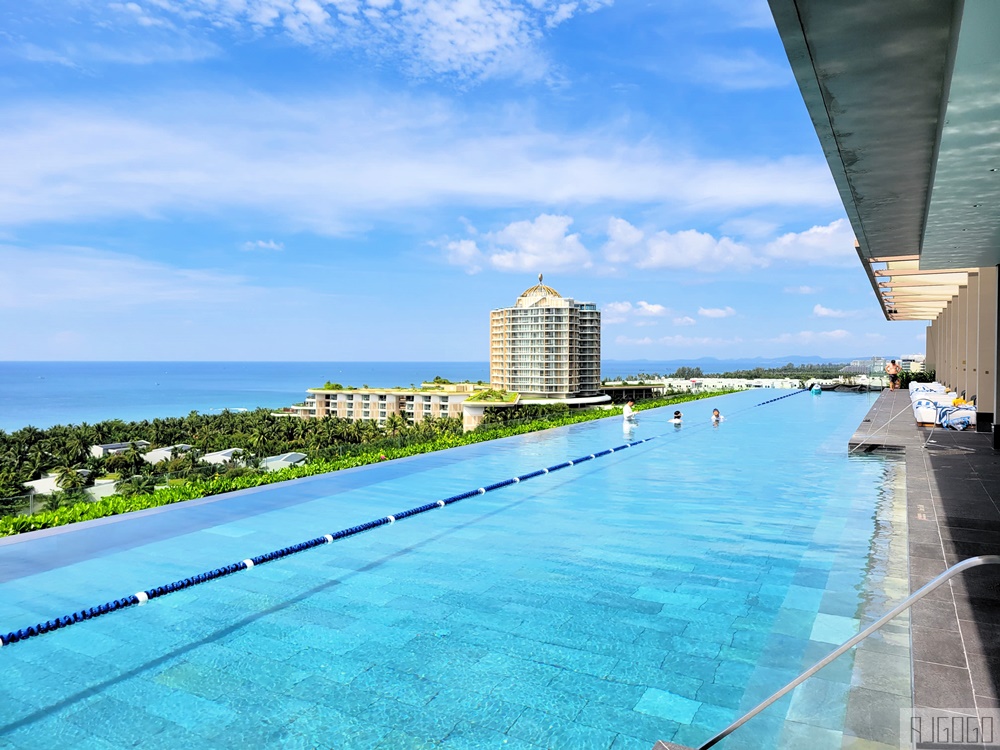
963 220
873 75
906 292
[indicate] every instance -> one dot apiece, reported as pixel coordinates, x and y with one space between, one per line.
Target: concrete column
938 345
961 341
956 338
944 374
929 345
938 351
972 337
987 344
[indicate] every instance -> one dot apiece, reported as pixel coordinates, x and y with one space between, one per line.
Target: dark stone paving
953 488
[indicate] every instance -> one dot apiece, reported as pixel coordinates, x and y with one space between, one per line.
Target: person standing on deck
893 370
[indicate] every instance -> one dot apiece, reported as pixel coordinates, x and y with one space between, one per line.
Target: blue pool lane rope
142 597
787 395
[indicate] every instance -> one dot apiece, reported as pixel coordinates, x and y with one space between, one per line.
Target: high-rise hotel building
546 345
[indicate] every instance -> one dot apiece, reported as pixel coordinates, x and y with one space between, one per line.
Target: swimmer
677 418
627 412
716 416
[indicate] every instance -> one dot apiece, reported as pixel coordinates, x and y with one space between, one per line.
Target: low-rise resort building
429 401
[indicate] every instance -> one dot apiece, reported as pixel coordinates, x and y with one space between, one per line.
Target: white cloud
685 321
620 312
85 303
810 337
615 308
825 312
693 249
539 245
801 289
112 282
645 308
683 249
749 227
264 245
623 240
830 245
615 312
332 165
468 39
465 253
138 14
716 312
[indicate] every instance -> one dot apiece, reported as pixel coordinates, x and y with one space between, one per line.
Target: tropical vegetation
790 370
494 394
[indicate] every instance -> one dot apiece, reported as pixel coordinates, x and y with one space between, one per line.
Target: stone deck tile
953 488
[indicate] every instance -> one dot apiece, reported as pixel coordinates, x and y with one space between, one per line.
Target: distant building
166 452
430 401
109 449
871 366
50 483
546 345
277 463
222 457
912 362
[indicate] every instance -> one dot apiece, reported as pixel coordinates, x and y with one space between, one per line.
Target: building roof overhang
903 96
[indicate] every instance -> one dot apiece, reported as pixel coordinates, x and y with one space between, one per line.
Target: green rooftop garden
494 395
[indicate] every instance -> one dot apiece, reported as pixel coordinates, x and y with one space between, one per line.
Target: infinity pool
650 594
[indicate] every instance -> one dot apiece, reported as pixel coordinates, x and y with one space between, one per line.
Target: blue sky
366 179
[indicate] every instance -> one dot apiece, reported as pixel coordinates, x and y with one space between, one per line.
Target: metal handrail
908 602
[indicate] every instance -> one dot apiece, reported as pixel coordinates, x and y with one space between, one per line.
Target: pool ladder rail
916 596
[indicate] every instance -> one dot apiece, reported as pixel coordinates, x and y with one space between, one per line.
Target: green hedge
196 488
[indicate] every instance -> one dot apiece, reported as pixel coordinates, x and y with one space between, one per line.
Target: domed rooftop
539 290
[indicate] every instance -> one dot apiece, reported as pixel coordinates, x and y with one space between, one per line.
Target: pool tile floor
413 635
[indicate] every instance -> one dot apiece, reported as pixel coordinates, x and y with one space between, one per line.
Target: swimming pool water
646 595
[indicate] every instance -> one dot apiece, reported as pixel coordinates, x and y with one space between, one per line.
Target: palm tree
249 460
394 424
128 462
137 484
258 442
69 479
11 491
72 485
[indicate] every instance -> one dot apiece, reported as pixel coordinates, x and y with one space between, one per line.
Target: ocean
43 394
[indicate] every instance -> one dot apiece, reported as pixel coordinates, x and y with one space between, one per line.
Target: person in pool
716 416
677 418
628 414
